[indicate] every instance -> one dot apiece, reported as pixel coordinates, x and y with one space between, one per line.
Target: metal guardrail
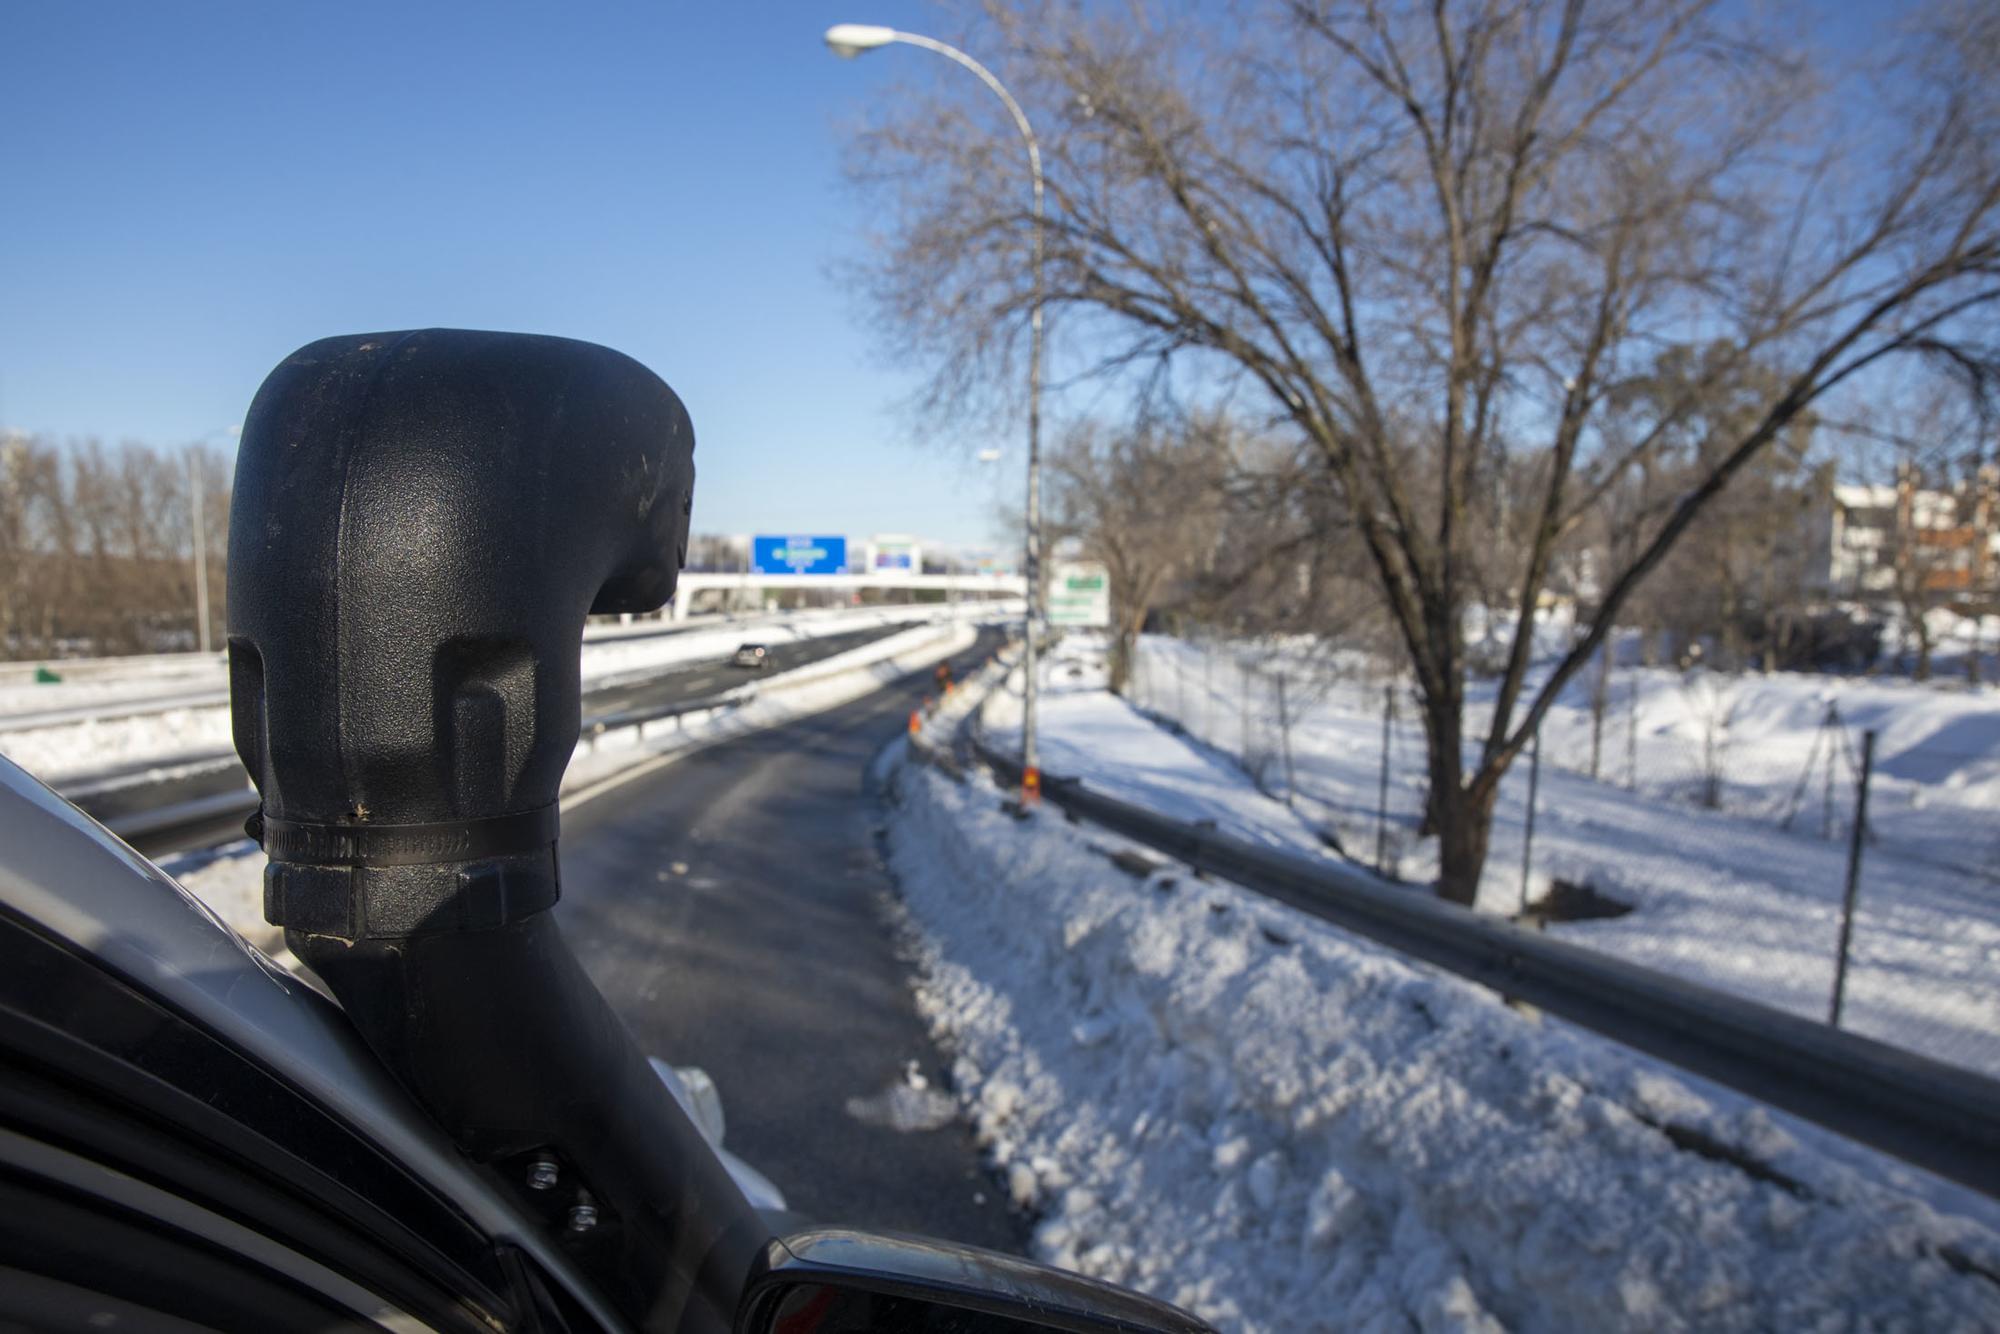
159 826
593 728
612 636
22 671
1936 1116
146 707
219 810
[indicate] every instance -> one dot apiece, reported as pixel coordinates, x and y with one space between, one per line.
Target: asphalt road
704 679
729 904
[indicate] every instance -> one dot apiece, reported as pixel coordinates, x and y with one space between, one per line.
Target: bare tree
1431 234
1144 499
1740 577
96 546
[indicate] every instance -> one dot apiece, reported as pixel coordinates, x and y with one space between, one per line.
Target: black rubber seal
360 844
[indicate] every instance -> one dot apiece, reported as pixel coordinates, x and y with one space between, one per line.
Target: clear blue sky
193 189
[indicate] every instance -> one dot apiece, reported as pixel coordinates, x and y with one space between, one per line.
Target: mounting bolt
543 1174
583 1218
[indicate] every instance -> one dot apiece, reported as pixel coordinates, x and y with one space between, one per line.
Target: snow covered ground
1763 745
198 686
1954 639
1239 1108
1726 897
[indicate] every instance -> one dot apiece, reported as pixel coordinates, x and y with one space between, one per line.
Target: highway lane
715 675
730 905
209 695
221 774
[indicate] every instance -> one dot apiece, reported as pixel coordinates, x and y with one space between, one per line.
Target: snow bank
1937 751
60 753
1245 1111
1082 730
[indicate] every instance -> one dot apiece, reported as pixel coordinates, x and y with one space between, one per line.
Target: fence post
1243 715
1600 696
1854 845
1632 736
1208 691
1382 793
1805 780
1528 834
1181 691
1285 740
1711 763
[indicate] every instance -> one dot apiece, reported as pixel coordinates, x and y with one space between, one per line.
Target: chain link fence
1251 705
1672 818
1711 759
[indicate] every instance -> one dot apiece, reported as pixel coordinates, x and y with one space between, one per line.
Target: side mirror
836 1281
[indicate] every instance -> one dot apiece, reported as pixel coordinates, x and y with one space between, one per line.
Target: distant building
1944 543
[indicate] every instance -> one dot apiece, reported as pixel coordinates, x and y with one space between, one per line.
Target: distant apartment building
1941 543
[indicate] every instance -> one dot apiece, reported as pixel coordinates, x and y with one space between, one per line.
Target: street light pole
197 504
200 551
849 40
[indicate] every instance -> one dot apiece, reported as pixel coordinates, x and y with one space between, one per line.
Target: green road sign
1080 594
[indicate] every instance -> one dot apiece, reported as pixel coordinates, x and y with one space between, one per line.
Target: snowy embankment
187 709
1727 898
230 879
1767 739
1239 1108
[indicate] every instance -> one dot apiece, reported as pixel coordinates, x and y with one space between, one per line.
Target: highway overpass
742 588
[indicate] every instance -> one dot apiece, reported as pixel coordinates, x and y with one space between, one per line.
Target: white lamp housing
848 40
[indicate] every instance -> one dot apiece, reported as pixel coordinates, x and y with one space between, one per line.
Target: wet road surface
729 905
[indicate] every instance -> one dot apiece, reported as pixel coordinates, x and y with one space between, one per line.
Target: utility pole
848 40
200 550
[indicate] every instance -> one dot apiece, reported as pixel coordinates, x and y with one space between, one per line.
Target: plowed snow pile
1218 1100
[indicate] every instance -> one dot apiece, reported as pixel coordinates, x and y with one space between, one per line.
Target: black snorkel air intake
420 524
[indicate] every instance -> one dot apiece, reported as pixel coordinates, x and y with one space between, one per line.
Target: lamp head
848 40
